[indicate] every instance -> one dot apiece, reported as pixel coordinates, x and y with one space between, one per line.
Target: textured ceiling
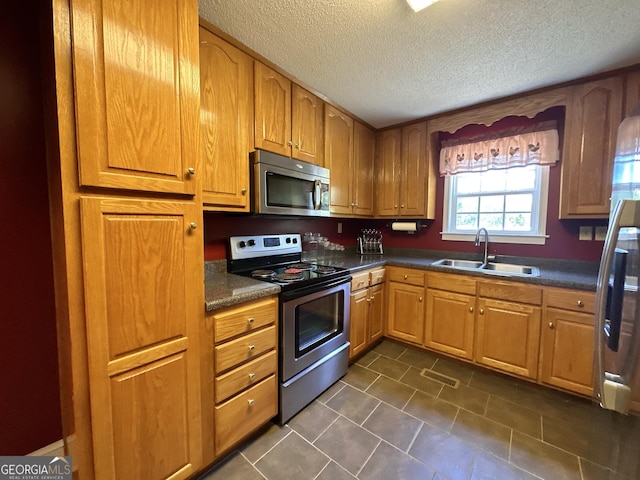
387 64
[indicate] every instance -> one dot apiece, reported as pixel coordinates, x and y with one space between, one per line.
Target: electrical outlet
339 227
601 233
586 233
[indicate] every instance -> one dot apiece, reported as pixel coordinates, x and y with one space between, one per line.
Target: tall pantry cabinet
123 163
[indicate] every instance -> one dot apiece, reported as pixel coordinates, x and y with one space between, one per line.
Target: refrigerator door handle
615 297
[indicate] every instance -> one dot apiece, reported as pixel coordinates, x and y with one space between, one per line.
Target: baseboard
56 449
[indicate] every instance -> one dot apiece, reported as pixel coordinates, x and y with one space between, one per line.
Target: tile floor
384 420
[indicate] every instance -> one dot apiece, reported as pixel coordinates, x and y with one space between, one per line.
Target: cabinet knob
395 206
353 204
252 376
193 225
373 297
471 309
290 143
401 206
580 304
252 348
250 402
481 311
191 171
297 145
406 276
250 320
243 191
551 325
420 299
369 299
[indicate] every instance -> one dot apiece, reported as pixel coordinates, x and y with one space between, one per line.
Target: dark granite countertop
223 289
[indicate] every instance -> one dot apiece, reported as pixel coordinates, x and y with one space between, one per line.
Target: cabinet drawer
576 300
359 281
245 376
413 277
377 276
238 417
514 292
234 352
244 319
452 283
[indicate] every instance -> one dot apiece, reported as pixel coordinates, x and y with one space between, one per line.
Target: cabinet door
450 322
406 312
507 336
567 346
338 157
388 152
375 324
226 113
307 135
136 93
363 164
272 104
632 92
143 302
594 113
358 322
413 173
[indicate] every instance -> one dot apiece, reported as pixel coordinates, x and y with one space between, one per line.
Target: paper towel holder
408 227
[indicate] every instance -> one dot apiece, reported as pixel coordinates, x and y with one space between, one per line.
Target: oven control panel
253 246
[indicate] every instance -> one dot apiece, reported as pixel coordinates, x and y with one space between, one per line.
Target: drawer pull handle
252 376
252 348
251 320
406 276
482 311
471 309
551 325
420 299
580 304
369 299
250 402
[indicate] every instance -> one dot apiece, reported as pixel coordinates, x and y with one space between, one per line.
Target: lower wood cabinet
406 312
450 319
367 310
244 386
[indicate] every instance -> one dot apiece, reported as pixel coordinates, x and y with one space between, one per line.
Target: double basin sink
496 268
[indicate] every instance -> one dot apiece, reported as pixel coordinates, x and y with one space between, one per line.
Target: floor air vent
439 377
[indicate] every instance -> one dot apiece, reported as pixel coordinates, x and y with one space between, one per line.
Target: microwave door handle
317 195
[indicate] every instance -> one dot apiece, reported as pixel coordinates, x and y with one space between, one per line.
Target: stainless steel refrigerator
617 349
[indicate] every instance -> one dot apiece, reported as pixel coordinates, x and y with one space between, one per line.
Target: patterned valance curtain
536 145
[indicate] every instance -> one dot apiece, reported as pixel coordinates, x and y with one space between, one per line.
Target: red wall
29 404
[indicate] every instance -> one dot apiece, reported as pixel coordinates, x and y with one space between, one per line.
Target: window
510 203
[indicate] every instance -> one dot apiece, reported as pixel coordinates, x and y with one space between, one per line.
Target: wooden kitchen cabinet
406 309
632 92
136 94
402 166
508 327
594 112
143 304
364 155
339 159
566 358
450 316
288 118
367 310
245 365
226 116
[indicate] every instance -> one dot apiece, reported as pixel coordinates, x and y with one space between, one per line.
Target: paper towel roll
405 226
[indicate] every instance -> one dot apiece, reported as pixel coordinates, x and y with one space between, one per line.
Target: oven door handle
317 195
301 292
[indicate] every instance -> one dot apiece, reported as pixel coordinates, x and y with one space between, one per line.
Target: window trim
497 236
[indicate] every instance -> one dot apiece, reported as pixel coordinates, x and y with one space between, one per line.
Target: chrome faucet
485 258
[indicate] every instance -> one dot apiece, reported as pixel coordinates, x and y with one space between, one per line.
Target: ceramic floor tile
495 384
482 432
367 358
291 459
468 398
417 358
413 378
313 420
389 349
431 410
388 462
489 467
388 367
393 426
234 467
591 471
515 416
542 459
353 404
454 369
445 453
360 377
391 392
329 393
347 444
269 437
333 471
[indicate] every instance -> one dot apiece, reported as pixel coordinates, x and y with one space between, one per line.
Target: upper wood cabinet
364 154
339 159
136 94
594 112
403 170
226 116
632 92
288 118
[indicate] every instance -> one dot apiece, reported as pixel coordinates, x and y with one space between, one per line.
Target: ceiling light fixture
418 5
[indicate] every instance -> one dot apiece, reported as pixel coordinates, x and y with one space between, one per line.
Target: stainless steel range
314 314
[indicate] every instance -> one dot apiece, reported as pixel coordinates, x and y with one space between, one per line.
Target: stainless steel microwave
284 186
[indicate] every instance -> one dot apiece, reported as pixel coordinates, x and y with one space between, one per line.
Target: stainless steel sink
496 268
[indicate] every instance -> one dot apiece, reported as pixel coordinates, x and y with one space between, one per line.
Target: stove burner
293 270
322 270
289 277
264 274
301 266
